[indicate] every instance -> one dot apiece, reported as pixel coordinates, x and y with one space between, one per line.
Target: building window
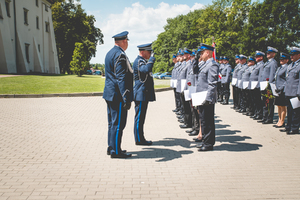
39 47
37 23
46 8
25 16
7 6
27 52
37 3
47 26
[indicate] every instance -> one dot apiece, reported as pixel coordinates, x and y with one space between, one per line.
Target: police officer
143 90
118 92
246 90
219 84
182 76
279 81
259 57
207 81
268 74
226 78
291 90
173 77
241 98
254 92
235 91
177 72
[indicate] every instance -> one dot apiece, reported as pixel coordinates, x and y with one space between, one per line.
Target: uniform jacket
118 78
236 70
181 75
269 70
246 75
254 76
174 71
207 79
240 75
221 67
143 89
291 86
190 76
280 77
226 73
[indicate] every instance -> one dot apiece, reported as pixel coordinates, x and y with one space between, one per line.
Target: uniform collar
119 48
260 62
271 59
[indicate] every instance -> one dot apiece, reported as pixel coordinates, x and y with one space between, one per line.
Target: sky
144 20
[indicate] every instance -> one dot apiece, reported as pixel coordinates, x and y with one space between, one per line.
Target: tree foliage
71 24
79 63
237 27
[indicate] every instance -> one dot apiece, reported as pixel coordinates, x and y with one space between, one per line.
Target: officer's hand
127 105
205 103
299 98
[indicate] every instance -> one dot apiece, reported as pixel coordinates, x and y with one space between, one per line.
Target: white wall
44 60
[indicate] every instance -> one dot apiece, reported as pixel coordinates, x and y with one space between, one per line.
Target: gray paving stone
55 148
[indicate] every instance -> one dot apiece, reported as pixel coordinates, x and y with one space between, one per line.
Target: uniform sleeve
228 74
298 92
273 69
121 69
146 68
212 82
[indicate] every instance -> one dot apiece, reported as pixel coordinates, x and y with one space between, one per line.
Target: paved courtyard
55 148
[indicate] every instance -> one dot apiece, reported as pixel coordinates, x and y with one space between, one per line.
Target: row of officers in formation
256 85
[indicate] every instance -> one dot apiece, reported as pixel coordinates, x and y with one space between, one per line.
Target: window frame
25 10
27 45
7 7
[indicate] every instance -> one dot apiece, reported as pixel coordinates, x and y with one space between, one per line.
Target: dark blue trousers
139 120
293 116
117 117
207 123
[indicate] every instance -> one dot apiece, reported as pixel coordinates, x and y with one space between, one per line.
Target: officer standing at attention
244 66
255 92
259 57
219 84
234 86
143 90
268 74
226 78
207 81
117 93
291 90
172 79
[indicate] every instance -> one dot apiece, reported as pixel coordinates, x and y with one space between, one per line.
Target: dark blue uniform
143 92
117 92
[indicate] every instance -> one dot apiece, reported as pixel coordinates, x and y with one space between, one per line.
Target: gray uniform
292 89
240 75
190 76
226 74
280 77
181 75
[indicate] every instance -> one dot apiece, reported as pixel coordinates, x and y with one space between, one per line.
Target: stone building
27 40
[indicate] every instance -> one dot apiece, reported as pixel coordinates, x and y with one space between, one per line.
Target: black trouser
195 118
226 91
293 117
219 90
268 108
235 96
178 100
242 96
187 111
207 123
239 96
256 102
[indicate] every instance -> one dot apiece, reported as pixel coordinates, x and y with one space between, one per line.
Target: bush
79 63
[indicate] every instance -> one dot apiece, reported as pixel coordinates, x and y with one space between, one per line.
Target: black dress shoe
261 121
197 139
184 126
253 116
204 148
122 151
178 113
189 131
120 155
181 120
284 130
176 110
199 145
194 133
180 116
144 143
267 122
257 118
292 132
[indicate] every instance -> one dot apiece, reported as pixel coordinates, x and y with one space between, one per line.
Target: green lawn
52 84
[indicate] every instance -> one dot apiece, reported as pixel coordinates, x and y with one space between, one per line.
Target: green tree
79 63
71 24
